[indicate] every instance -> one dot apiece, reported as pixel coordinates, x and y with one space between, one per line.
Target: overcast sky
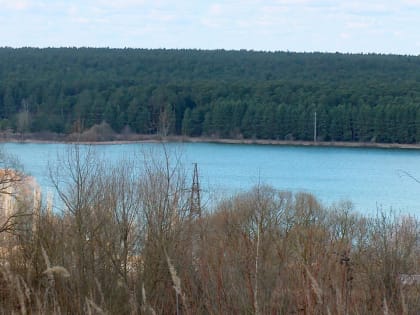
380 26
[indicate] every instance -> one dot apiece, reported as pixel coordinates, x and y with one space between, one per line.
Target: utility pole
315 127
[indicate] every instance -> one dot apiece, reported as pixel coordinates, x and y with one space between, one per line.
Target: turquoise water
370 178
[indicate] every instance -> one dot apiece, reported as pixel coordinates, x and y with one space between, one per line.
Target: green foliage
230 94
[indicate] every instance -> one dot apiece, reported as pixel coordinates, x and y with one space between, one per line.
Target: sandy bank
125 139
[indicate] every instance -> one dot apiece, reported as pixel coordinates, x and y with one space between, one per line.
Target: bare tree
78 182
23 118
14 185
123 232
166 121
165 205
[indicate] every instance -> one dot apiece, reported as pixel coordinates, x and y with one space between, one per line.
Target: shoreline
310 143
183 139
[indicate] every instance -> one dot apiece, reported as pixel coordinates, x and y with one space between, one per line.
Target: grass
260 252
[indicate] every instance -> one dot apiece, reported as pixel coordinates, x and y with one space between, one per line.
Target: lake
371 178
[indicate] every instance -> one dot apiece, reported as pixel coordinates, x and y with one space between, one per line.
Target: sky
370 26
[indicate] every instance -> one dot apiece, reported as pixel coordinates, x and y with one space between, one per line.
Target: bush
126 243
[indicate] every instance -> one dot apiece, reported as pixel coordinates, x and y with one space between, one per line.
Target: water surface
371 178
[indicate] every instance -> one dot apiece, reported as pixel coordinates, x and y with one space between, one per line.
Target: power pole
195 202
195 232
315 127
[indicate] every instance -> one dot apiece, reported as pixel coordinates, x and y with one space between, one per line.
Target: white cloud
412 2
17 5
300 25
398 34
293 2
345 35
161 16
371 8
360 23
118 4
215 9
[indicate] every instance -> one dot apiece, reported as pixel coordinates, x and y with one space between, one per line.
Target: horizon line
211 49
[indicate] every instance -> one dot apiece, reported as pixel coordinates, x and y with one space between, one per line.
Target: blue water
370 178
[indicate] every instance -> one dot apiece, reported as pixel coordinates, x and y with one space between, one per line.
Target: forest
211 93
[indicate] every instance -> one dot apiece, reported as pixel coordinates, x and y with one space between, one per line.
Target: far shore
134 138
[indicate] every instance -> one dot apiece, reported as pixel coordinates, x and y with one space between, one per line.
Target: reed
126 245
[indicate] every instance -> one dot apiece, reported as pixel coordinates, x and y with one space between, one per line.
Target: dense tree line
227 94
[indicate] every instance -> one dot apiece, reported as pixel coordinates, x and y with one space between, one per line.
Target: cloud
299 25
17 5
215 9
412 2
294 2
373 8
161 16
217 15
359 23
119 4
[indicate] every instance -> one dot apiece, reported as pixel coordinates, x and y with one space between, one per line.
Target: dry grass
126 245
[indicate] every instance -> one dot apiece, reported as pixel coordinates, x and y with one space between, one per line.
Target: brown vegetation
125 242
103 134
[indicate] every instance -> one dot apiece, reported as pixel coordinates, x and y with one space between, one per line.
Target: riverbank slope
133 138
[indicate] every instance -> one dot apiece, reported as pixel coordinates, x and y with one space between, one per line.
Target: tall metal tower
195 202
